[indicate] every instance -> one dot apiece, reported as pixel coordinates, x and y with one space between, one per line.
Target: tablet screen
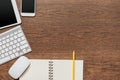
7 15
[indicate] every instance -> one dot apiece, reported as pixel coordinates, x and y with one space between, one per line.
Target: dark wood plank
91 27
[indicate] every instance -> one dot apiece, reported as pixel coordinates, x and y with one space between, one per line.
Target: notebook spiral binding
50 70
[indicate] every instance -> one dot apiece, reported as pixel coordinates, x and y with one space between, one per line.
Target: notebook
53 70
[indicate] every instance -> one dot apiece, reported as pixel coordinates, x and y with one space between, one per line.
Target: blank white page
62 70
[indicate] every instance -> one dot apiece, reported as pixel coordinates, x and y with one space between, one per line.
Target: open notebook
53 70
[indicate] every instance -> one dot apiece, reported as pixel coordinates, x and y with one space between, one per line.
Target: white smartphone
28 7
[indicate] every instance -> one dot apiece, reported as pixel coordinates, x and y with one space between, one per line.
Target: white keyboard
13 44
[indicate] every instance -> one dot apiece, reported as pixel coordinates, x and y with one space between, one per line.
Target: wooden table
91 27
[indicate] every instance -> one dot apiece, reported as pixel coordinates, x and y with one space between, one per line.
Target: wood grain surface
91 27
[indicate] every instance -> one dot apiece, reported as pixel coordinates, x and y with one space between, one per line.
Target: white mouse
19 67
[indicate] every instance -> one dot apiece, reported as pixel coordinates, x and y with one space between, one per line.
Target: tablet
9 15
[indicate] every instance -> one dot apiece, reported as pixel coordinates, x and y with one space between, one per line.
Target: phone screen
28 6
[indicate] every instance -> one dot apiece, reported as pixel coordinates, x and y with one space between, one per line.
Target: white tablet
9 15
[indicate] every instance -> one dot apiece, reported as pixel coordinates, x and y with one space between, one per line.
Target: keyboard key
12 56
14 46
14 50
0 43
17 54
15 32
10 48
11 39
22 42
10 52
18 44
18 49
6 54
7 40
19 39
2 55
11 43
19 31
15 37
0 48
2 51
24 50
3 38
11 34
3 60
15 41
7 44
6 49
23 38
3 46
20 34
3 42
8 36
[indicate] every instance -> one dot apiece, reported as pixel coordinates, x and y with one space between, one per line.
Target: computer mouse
18 68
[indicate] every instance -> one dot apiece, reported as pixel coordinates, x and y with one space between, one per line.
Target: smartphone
28 7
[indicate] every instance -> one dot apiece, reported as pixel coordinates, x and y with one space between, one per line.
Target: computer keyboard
13 44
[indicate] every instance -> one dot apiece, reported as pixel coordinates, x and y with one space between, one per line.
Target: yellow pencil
73 66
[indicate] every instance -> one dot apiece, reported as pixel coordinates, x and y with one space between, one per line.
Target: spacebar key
4 60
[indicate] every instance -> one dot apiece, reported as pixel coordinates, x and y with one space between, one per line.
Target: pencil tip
73 51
